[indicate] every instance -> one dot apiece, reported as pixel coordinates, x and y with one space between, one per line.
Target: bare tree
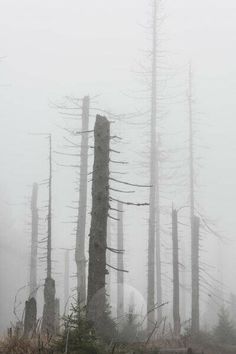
34 241
98 232
48 323
175 243
154 200
195 276
66 281
31 305
194 221
120 261
80 257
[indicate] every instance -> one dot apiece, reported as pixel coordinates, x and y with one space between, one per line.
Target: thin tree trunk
48 323
49 238
80 257
191 150
31 305
194 221
120 263
176 316
96 303
153 181
183 282
154 247
34 242
195 276
67 282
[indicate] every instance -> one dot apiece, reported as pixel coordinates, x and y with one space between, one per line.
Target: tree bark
96 302
48 322
108 257
30 317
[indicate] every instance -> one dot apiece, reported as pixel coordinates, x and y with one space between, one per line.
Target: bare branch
118 270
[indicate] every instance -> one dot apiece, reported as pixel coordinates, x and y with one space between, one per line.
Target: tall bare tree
34 241
154 253
175 243
194 221
80 256
48 323
31 305
98 232
66 281
120 262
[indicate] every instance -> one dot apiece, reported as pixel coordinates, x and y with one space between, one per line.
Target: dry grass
16 345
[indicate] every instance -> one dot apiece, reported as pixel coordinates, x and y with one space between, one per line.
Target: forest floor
21 346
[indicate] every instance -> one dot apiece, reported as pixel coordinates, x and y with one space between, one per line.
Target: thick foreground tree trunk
48 323
96 302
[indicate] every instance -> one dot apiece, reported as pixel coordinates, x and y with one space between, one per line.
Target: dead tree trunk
153 181
183 282
31 305
176 316
195 275
57 316
30 317
120 262
154 246
96 302
34 242
48 323
49 238
194 221
66 282
81 224
108 257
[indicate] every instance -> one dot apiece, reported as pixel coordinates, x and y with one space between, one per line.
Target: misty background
56 49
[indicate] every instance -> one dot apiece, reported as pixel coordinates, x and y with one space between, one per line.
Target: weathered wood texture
30 319
98 231
48 322
57 316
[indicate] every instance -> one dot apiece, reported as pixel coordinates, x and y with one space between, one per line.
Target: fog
52 50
